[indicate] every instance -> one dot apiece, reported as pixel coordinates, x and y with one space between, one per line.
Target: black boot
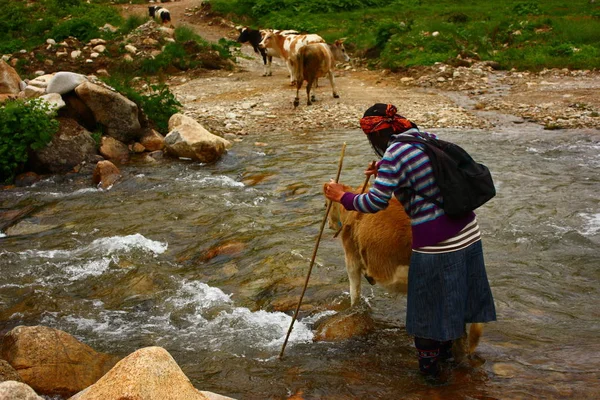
428 352
446 352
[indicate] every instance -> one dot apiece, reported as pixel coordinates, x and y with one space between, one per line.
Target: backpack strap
431 144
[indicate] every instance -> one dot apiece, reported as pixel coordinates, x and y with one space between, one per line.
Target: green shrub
132 22
527 9
458 18
159 106
24 125
386 29
561 50
82 29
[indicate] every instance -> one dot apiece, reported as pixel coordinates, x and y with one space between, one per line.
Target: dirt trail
241 101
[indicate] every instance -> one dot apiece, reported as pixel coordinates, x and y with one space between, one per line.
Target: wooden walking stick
314 255
364 187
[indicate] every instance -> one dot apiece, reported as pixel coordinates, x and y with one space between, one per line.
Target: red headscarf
382 116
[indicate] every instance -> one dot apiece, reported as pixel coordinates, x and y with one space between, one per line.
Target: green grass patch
399 33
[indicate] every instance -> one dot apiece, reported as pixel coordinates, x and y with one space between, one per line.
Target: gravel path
242 102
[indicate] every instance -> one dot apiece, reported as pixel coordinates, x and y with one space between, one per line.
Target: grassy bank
396 34
33 22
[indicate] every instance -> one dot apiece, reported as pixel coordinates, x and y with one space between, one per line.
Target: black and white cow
159 12
254 37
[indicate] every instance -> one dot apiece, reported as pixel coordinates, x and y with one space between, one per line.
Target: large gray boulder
53 362
10 82
149 374
113 110
188 139
12 390
70 146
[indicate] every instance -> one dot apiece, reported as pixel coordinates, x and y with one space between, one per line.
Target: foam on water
87 269
105 246
196 317
211 181
591 226
199 295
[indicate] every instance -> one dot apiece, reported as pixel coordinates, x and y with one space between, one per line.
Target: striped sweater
407 166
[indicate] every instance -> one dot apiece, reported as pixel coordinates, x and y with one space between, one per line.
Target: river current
208 261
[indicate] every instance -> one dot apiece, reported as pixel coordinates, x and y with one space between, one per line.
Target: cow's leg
309 98
269 61
298 87
290 66
332 81
354 276
265 70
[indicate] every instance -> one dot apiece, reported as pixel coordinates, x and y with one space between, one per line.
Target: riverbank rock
113 149
8 373
53 362
10 81
105 174
355 321
188 139
113 110
12 390
70 146
147 374
152 140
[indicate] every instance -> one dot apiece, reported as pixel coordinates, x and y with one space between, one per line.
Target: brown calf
378 247
314 61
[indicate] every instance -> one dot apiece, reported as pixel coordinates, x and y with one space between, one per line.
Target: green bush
24 126
527 9
82 29
159 106
384 30
561 50
131 23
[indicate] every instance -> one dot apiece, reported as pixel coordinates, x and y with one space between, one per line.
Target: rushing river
202 259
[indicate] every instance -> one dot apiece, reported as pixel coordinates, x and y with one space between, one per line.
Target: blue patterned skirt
447 290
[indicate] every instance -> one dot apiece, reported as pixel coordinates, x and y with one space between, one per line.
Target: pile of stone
85 105
40 361
467 75
147 40
96 56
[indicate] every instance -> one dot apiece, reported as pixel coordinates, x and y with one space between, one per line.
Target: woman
447 282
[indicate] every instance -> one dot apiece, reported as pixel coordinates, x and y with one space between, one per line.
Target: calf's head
339 51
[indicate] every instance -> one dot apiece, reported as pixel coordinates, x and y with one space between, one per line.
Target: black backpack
465 184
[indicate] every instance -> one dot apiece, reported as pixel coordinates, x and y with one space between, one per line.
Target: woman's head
380 122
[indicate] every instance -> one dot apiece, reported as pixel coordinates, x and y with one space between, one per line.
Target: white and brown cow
254 37
314 61
287 43
161 13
